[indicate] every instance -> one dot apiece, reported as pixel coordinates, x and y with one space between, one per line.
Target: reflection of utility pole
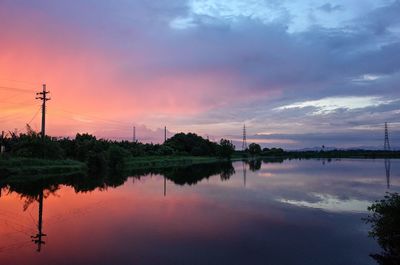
165 186
37 239
387 168
244 174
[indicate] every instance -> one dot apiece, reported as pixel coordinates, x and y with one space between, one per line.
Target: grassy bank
38 168
35 169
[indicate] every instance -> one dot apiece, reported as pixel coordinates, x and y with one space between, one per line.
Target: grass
31 169
38 168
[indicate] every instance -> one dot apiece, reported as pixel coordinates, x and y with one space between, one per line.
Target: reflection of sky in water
330 203
296 212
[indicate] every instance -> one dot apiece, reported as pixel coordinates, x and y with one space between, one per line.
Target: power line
95 117
34 116
17 89
17 81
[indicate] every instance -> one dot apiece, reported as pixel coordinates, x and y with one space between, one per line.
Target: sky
298 73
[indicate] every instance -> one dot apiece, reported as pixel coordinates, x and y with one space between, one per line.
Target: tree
384 218
192 144
116 158
254 149
225 148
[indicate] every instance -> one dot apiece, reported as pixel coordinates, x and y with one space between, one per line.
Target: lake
272 212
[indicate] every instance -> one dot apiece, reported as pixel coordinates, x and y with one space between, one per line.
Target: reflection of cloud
265 174
332 204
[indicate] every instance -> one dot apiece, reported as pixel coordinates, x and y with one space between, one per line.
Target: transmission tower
244 144
386 145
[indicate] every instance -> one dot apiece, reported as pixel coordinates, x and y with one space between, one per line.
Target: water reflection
207 209
387 169
37 239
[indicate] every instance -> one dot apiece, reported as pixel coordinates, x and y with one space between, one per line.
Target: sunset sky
298 73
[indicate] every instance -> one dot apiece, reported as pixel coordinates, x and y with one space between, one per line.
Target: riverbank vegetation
384 219
28 153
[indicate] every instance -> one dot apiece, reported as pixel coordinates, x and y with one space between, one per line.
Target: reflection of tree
267 160
255 165
192 174
384 218
227 172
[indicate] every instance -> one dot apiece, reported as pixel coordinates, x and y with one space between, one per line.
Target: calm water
295 212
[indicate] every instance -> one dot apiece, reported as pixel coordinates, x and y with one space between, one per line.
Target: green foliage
32 145
254 149
116 158
273 152
191 144
165 150
225 148
384 218
97 163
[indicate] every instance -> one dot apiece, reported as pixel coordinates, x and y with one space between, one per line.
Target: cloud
210 66
332 104
329 8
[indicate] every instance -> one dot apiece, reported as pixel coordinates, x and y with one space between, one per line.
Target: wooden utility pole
2 143
165 134
134 134
43 97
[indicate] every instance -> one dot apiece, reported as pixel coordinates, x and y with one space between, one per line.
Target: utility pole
2 143
165 134
43 97
165 186
134 134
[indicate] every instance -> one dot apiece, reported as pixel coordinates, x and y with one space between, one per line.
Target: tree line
87 148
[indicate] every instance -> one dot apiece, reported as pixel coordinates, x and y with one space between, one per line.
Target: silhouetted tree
384 218
225 148
254 149
191 144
